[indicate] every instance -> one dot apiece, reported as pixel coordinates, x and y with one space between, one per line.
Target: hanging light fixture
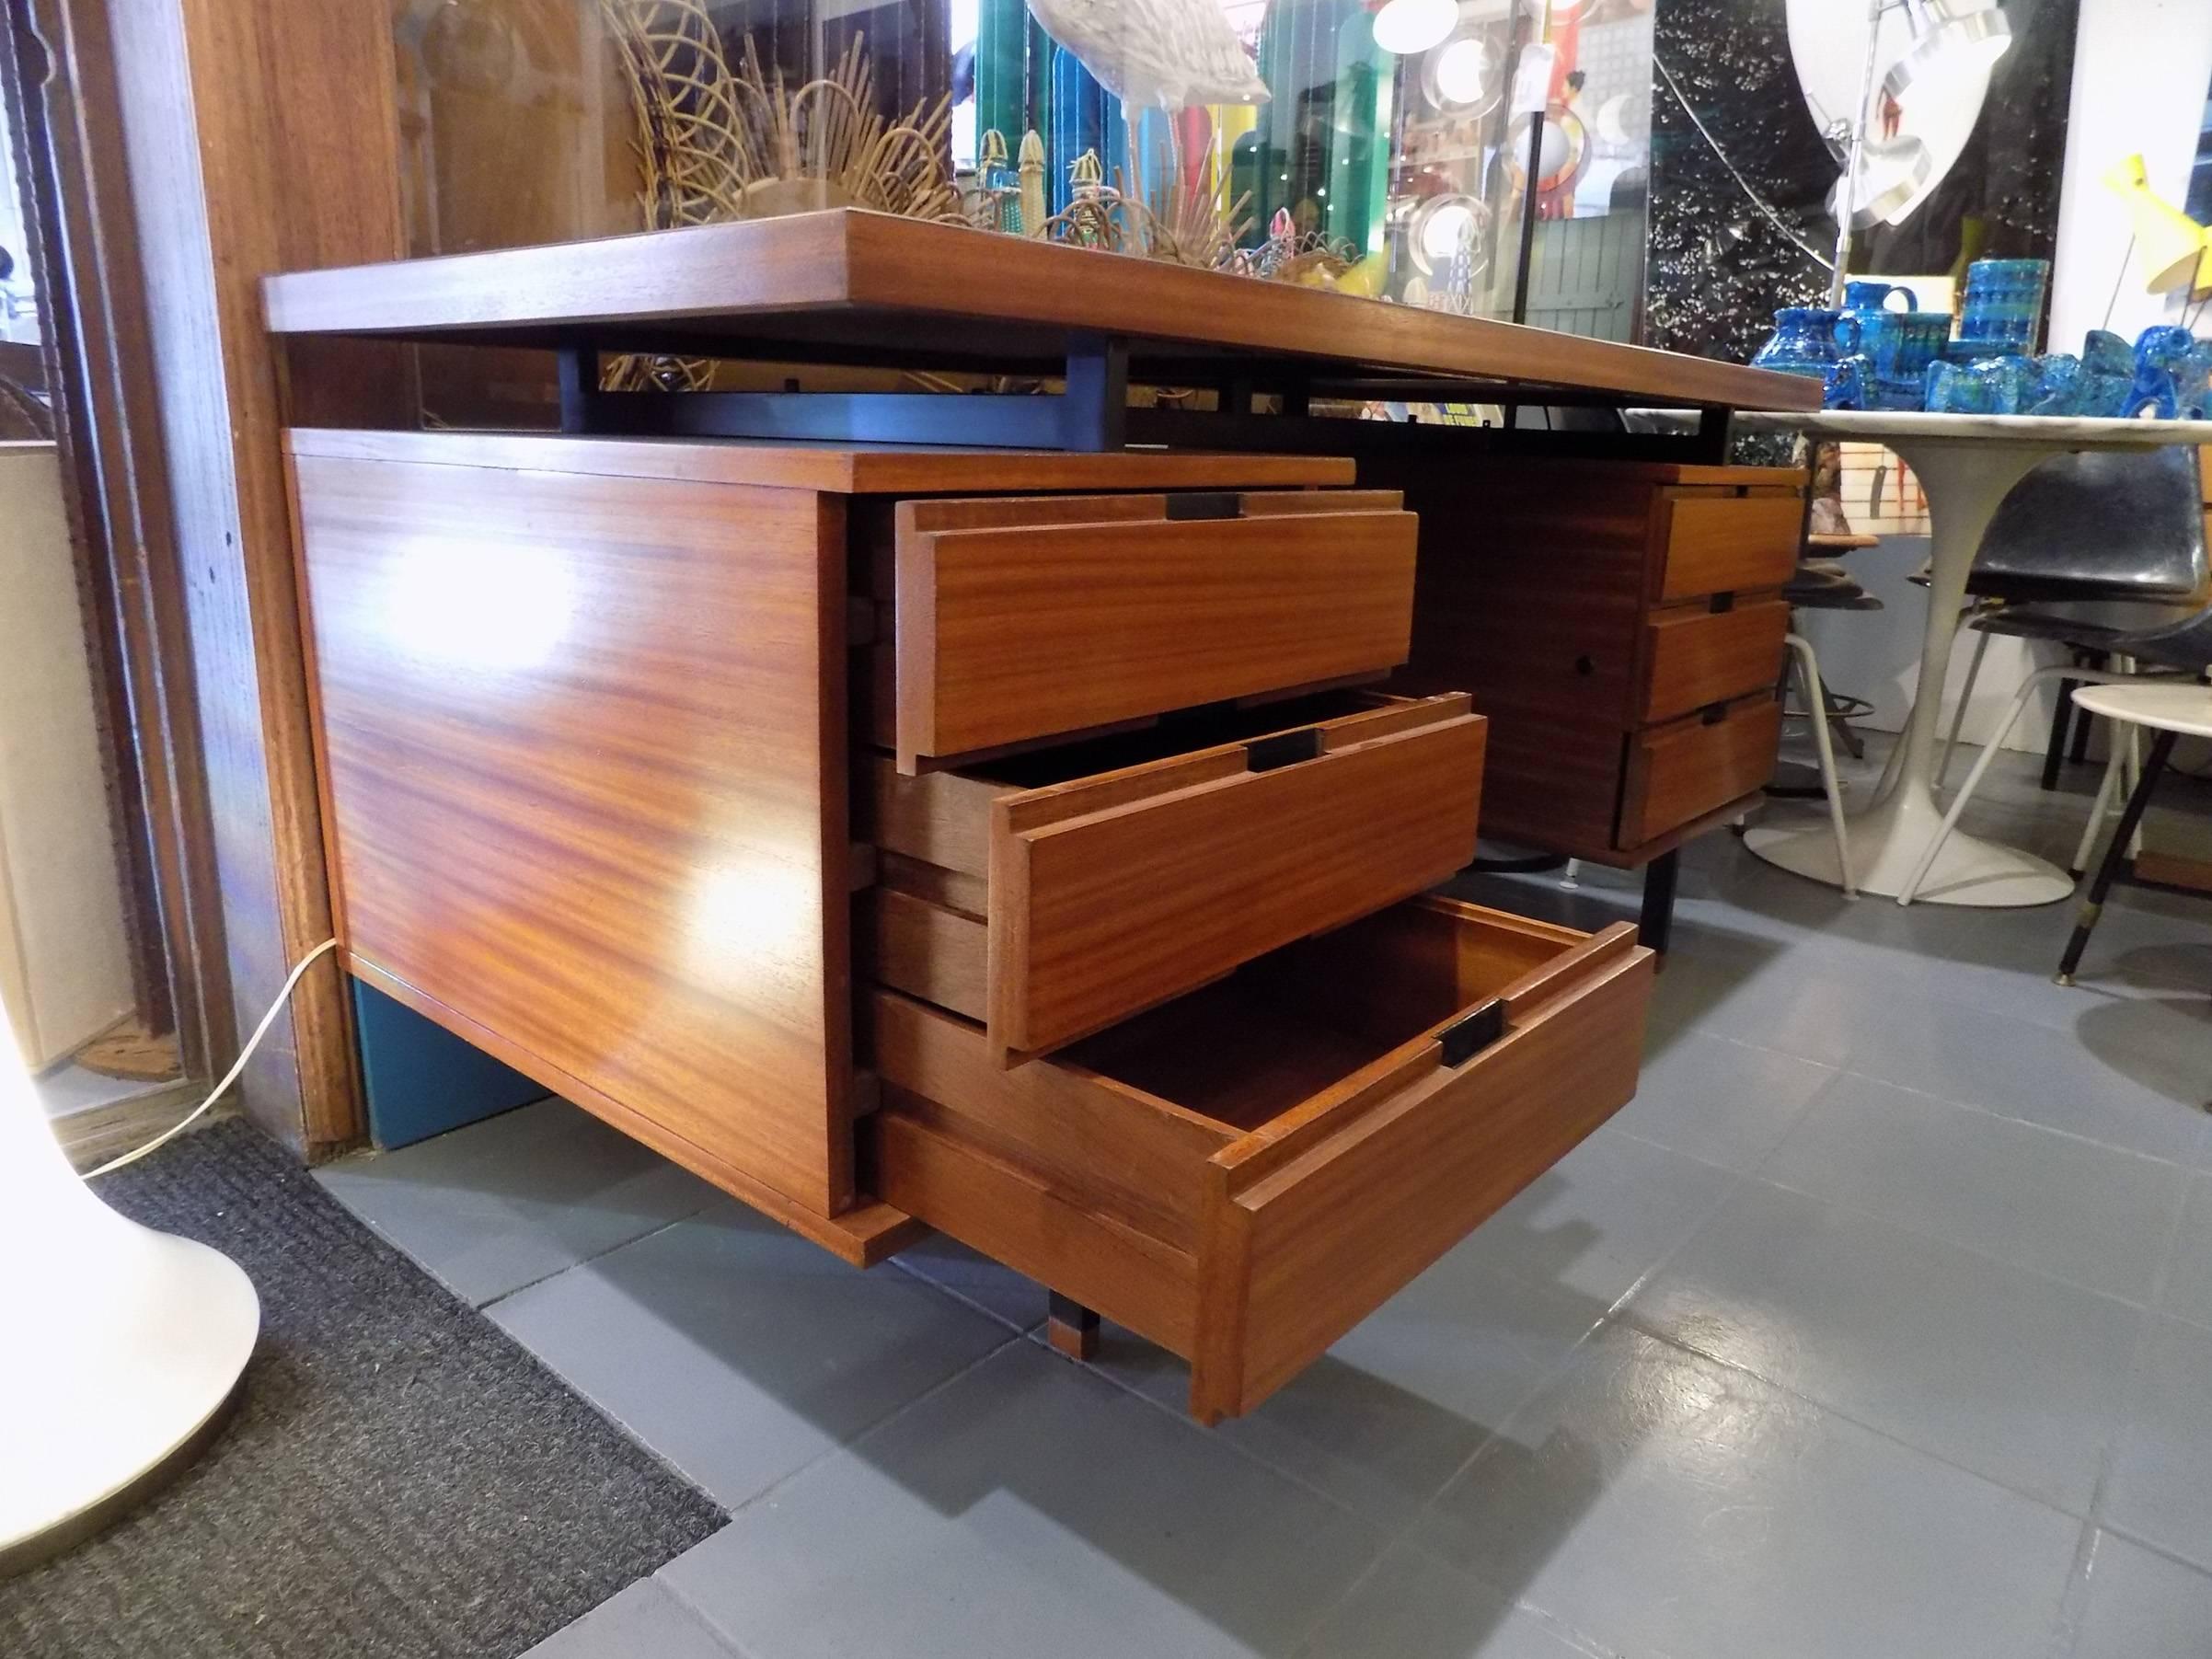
1890 178
1406 26
1951 39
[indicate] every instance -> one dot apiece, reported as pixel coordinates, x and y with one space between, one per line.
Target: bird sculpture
1169 55
1156 55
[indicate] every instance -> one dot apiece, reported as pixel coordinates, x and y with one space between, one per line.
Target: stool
2173 710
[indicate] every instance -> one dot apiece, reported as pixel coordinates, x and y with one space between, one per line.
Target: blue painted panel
421 1079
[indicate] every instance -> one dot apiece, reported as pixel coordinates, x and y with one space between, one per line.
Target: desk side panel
583 758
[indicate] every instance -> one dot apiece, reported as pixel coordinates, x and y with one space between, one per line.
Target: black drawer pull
1720 605
1472 1032
1206 504
1283 749
1712 714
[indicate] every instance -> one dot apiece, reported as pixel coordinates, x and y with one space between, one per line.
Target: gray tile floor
1879 1324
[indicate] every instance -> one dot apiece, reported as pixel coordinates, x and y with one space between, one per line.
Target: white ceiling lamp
1406 26
1953 39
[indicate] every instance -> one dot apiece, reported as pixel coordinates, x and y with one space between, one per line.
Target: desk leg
1655 926
1070 1327
1964 479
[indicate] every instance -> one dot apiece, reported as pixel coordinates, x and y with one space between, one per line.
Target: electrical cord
1742 183
230 1077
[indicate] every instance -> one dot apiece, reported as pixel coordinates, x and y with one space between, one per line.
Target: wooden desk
1017 841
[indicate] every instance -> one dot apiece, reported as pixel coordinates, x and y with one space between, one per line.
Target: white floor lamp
121 1347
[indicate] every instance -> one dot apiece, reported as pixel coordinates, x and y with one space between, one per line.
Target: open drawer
1243 1174
1050 894
1017 618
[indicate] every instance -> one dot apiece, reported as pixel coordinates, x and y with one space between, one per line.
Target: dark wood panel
1550 785
851 276
587 779
258 138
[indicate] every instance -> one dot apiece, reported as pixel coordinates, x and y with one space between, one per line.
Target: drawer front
1051 912
1246 1173
1297 1251
1010 634
1101 906
1727 544
1695 659
1680 772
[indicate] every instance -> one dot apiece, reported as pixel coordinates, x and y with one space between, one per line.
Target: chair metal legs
1808 668
2108 790
1989 752
2094 906
1958 717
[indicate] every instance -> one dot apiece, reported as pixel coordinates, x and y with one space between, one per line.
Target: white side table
2173 711
1966 464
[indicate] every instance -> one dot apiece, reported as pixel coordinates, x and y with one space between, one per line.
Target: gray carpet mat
400 1480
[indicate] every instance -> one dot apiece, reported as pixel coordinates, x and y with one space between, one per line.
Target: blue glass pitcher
1808 340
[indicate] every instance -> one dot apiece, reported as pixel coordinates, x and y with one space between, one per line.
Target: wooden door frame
115 495
197 146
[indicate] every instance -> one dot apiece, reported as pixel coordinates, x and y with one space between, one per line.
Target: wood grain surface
1007 635
1244 1173
1728 544
1290 1263
258 138
583 743
834 469
1101 907
1684 771
848 276
1694 657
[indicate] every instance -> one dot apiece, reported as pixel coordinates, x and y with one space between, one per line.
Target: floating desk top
851 286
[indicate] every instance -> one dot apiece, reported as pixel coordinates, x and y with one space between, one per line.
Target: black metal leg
2053 752
1656 925
2114 855
579 369
1095 412
1070 1327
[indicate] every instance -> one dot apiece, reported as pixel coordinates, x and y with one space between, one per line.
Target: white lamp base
123 1346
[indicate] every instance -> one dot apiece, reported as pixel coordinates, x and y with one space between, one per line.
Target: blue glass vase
1808 339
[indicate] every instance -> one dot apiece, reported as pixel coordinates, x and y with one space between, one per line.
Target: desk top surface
833 468
861 287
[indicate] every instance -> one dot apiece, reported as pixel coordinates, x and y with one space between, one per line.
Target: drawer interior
1296 1024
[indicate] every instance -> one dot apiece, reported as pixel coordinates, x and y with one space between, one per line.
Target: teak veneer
814 285
1143 998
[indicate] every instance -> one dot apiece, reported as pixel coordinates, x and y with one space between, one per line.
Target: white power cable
1744 184
230 1077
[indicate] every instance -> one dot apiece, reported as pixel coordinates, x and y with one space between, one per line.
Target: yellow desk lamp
2176 250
